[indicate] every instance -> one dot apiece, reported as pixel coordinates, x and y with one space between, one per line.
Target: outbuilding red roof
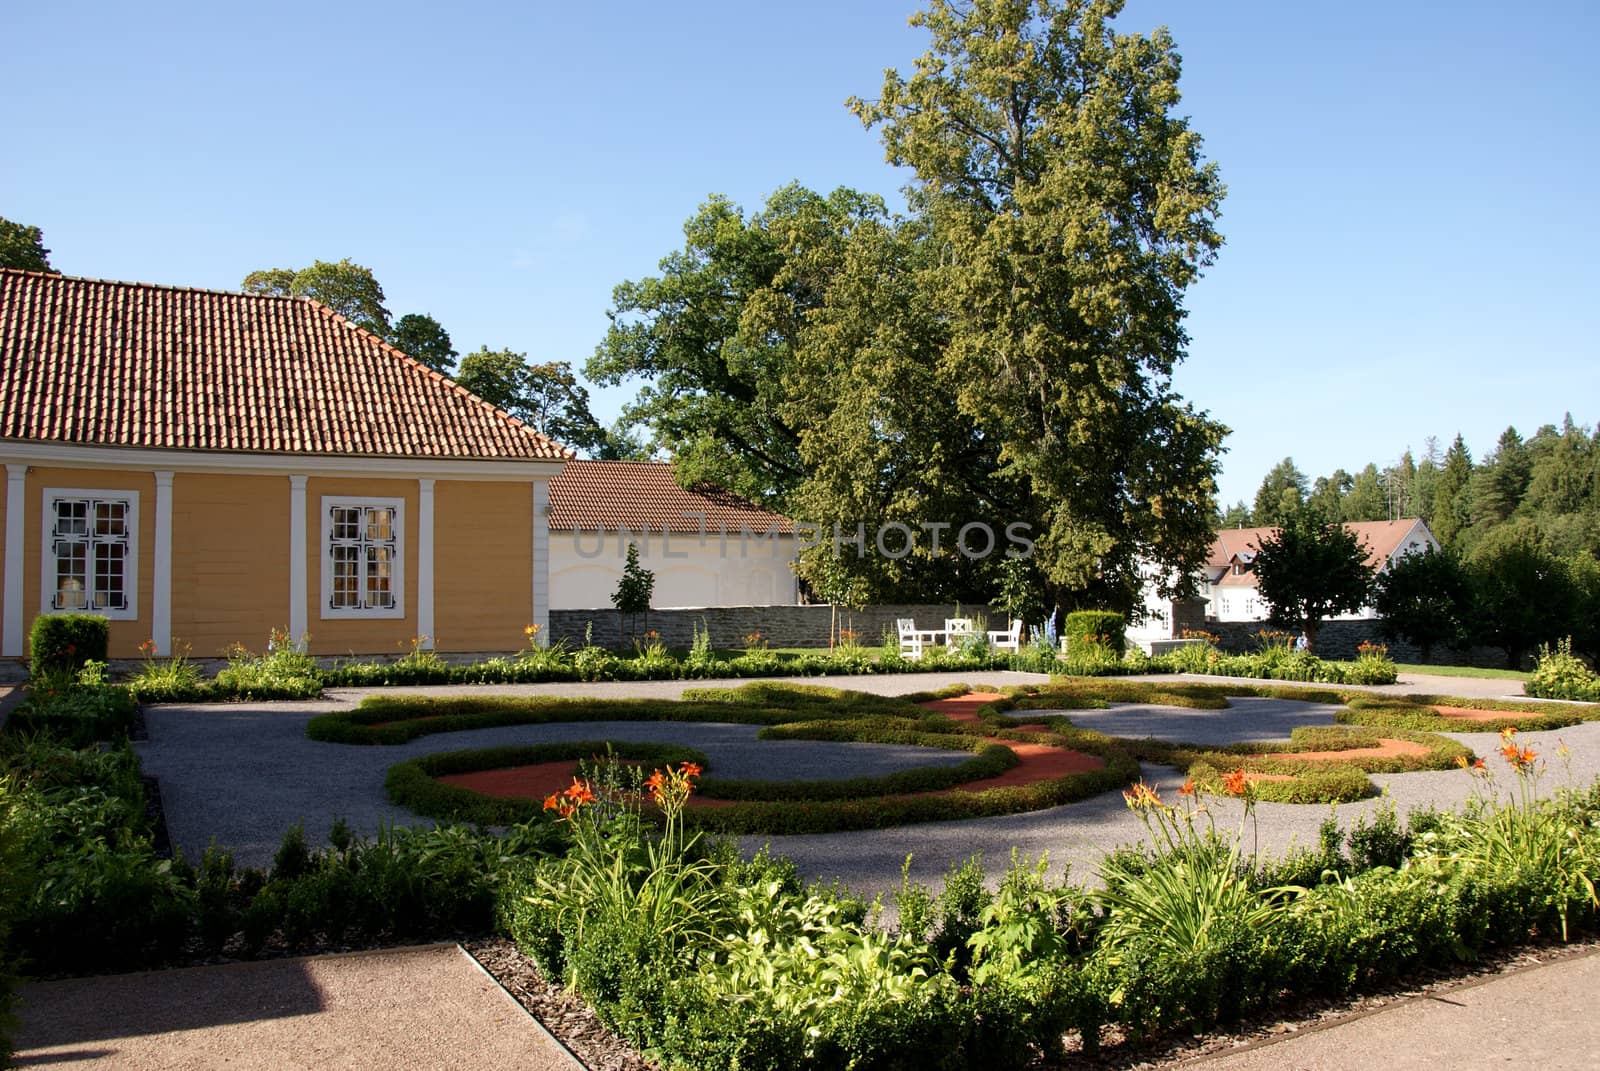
98 363
1381 538
608 495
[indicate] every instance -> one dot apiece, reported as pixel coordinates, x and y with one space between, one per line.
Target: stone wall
782 626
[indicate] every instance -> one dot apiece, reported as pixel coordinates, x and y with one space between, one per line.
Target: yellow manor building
202 467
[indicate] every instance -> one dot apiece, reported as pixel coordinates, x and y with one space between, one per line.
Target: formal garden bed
283 671
701 958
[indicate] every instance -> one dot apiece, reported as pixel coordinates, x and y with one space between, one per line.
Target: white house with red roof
202 467
706 546
1231 592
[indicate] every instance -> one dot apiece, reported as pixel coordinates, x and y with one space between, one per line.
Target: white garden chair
1007 639
910 638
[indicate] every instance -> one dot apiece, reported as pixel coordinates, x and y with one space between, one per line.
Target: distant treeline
1546 487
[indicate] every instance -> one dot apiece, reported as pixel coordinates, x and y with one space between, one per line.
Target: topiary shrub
62 643
1099 628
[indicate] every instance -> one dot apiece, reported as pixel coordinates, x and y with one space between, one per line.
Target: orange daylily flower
1142 796
1235 784
1187 788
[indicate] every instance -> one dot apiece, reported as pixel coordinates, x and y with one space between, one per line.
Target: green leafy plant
62 643
1560 674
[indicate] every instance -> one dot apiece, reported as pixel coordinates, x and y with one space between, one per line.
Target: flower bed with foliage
283 672
1560 674
706 961
750 806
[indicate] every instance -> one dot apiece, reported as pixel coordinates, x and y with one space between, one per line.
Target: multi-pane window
362 569
90 555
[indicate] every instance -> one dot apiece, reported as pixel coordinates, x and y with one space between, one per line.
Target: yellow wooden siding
336 636
482 565
3 498
230 560
126 636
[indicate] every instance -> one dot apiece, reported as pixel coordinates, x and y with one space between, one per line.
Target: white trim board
397 578
68 456
47 562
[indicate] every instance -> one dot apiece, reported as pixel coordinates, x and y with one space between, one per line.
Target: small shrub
62 643
1560 674
1096 628
172 679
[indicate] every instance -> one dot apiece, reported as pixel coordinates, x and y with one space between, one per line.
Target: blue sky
1410 223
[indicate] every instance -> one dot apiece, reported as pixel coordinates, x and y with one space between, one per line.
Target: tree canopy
548 397
1424 598
424 338
1311 570
1003 354
22 246
348 289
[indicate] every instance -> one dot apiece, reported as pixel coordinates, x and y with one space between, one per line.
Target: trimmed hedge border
771 808
414 784
1416 712
1327 782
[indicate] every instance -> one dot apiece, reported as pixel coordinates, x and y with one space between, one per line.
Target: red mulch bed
1039 762
961 707
1467 714
1386 749
516 782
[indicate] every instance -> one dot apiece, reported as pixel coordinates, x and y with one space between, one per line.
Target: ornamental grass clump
615 916
1512 837
1186 936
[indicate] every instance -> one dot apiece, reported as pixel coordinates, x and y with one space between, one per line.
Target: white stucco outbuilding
706 547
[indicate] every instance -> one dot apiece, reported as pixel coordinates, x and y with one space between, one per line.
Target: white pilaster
11 619
425 562
161 601
541 558
297 560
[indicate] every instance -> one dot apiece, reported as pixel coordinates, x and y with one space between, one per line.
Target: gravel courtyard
241 774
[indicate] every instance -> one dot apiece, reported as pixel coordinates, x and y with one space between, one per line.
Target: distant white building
1229 590
706 547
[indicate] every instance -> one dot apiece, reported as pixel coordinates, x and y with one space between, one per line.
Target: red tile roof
1381 538
91 362
591 495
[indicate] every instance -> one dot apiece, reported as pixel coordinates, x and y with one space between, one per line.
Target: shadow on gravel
78 1010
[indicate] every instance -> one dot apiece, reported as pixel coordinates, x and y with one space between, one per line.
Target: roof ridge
515 422
107 338
137 285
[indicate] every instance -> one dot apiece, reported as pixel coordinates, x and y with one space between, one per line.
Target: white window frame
130 570
397 580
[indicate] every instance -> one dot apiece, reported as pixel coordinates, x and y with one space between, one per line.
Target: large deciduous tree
1424 599
22 246
715 336
1311 570
1523 595
1071 210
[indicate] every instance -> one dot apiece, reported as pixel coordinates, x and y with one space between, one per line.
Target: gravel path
1249 718
242 774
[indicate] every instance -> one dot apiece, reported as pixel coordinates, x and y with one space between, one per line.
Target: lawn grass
1464 671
